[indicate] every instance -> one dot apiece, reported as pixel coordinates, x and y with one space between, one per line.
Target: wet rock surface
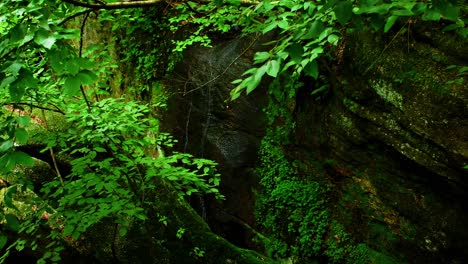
392 130
208 125
395 129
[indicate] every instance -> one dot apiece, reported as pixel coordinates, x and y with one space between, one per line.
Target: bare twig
72 17
81 54
57 110
52 154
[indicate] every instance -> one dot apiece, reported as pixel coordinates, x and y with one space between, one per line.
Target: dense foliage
115 146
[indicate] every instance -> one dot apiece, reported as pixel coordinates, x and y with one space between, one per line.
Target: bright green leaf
273 68
6 145
258 75
99 149
235 95
122 231
270 27
44 38
390 22
260 57
333 39
14 68
283 24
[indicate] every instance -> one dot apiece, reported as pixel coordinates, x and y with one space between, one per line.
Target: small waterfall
187 125
206 87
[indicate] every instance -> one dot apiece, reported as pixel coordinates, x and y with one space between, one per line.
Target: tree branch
115 5
139 3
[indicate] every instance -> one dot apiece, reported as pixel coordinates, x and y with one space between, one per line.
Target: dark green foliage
291 209
115 146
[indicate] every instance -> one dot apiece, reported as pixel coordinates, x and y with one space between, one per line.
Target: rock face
208 125
391 133
396 127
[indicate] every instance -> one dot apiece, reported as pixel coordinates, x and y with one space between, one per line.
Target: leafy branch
146 3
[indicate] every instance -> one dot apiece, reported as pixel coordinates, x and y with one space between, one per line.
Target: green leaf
23 120
7 81
273 68
6 145
123 231
68 230
44 38
296 51
270 27
18 88
283 24
260 57
333 39
380 9
316 29
311 69
449 11
344 11
3 241
252 84
99 149
57 60
72 66
258 76
235 95
390 22
22 158
84 63
21 135
12 222
87 77
71 86
14 68
18 33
